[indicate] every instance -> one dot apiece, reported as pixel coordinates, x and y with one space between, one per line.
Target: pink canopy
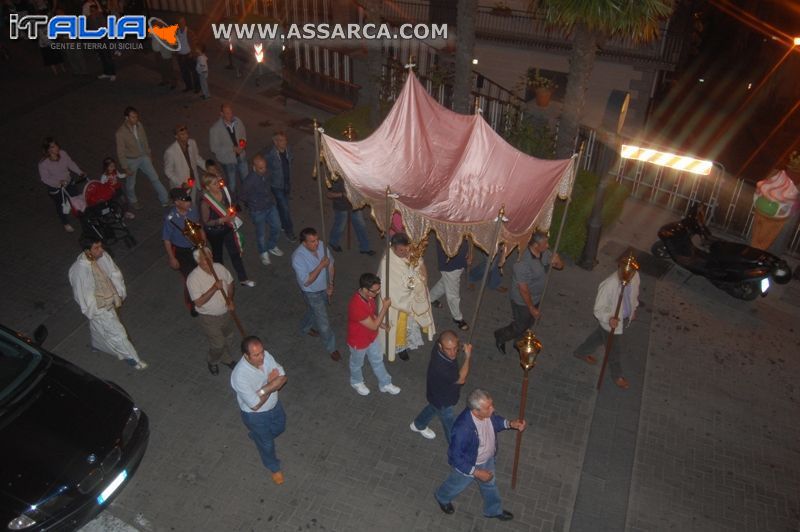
449 172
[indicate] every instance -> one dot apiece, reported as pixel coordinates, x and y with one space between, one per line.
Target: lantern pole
498 226
385 282
529 347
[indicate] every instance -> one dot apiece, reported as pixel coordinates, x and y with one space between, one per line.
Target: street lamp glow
670 160
258 49
475 61
797 41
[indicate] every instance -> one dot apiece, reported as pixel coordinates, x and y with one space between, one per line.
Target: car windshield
18 360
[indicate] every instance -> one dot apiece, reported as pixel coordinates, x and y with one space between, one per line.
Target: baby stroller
102 214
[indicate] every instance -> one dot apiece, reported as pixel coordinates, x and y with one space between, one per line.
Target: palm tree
465 44
591 22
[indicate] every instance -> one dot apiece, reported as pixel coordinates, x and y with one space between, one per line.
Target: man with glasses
363 322
444 383
179 249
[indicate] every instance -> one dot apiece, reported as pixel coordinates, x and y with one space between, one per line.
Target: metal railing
500 107
531 29
729 201
322 69
282 11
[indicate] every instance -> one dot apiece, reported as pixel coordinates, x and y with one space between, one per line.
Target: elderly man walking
256 194
133 154
471 455
256 380
315 275
228 140
98 287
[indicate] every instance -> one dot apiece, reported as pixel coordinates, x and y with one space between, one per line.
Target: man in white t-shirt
256 380
473 446
208 296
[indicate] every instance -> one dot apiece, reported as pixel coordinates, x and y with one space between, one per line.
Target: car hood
49 438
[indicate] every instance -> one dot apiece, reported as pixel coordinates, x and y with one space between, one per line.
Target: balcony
529 29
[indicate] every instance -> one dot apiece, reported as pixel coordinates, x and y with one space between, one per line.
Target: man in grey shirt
527 285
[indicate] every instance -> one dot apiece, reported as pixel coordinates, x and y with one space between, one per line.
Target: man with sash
99 289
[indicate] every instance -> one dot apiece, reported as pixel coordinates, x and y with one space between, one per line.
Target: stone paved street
706 438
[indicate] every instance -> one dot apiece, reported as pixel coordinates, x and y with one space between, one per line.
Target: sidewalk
715 445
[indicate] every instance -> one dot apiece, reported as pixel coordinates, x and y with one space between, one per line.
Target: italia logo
77 28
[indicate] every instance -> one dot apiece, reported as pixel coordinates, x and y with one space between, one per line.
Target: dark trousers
598 338
522 320
55 195
107 61
282 201
188 71
218 239
186 264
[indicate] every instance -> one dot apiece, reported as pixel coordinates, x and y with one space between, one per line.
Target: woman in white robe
98 287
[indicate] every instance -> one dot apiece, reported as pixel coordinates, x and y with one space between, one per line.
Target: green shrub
583 193
358 117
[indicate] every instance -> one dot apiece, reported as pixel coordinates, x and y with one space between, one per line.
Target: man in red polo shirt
363 322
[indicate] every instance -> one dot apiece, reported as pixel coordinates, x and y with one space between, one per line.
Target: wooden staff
498 225
629 268
193 233
321 203
388 222
529 347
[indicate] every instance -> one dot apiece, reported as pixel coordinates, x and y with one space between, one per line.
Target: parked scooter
742 271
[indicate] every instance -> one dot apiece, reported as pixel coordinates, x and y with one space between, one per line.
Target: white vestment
108 334
408 290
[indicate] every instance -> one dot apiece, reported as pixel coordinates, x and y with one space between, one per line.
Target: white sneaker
265 258
426 432
141 365
276 251
361 388
103 76
112 78
68 228
390 389
248 283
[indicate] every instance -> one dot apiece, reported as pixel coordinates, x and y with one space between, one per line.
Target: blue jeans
374 354
339 224
146 166
260 220
444 413
282 199
457 482
204 84
317 315
264 427
231 170
493 281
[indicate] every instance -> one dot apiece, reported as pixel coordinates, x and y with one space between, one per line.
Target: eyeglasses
375 291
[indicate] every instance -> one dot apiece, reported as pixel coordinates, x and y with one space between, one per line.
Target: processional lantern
529 347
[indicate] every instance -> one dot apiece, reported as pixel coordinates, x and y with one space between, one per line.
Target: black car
69 441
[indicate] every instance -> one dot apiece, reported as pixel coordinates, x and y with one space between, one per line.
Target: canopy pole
500 219
558 237
387 223
317 172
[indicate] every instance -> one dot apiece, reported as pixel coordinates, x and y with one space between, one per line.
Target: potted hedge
541 86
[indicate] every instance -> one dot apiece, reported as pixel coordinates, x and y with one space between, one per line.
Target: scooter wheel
746 290
659 249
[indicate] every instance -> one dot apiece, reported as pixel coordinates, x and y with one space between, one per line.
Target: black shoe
437 304
213 369
193 313
446 508
501 346
337 249
403 354
461 324
231 364
368 252
505 516
290 237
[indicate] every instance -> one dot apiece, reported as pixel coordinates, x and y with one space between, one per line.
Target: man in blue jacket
471 455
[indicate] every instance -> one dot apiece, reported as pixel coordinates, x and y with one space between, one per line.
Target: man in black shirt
444 383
